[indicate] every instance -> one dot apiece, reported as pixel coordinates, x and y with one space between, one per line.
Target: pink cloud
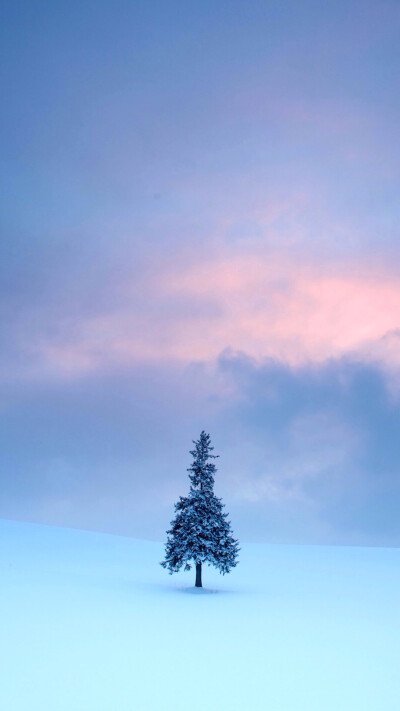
272 307
262 304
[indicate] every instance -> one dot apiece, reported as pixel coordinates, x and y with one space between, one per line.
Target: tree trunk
198 576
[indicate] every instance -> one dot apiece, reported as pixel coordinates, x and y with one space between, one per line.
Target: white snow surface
91 622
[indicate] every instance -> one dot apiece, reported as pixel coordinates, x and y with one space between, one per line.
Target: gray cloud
306 455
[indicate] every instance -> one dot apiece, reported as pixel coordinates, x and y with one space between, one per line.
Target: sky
200 230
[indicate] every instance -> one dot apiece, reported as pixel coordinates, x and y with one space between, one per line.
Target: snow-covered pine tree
200 532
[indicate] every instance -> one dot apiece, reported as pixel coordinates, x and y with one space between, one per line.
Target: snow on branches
200 532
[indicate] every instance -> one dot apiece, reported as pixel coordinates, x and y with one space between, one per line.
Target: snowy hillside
91 622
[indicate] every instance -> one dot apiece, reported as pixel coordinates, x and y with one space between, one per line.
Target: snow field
91 622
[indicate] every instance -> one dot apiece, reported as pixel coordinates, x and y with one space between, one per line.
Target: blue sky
200 229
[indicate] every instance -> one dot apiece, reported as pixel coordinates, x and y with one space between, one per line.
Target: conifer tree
200 532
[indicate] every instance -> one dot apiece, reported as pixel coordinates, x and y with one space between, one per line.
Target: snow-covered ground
91 622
